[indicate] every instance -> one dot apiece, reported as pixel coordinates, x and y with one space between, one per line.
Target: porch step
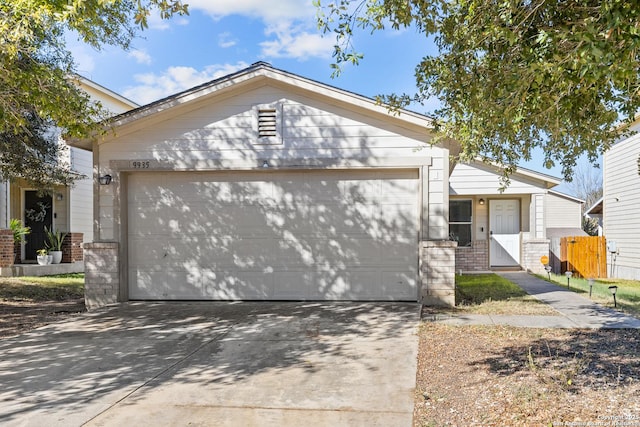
41 270
507 268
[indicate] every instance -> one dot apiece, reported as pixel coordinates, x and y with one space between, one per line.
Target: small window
267 123
460 220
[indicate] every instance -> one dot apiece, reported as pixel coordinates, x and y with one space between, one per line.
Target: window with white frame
460 220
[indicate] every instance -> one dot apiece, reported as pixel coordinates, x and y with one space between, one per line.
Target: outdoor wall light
105 179
614 290
481 201
59 197
265 164
568 274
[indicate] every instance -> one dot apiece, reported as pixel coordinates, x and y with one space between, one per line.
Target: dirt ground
17 317
505 376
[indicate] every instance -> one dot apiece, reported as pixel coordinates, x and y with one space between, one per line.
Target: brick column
6 248
532 251
72 247
437 272
102 274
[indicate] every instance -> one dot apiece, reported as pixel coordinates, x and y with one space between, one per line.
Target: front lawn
46 288
493 294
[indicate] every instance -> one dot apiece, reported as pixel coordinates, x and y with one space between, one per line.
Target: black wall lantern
105 179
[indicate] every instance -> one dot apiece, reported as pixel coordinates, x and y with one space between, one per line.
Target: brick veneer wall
532 251
72 247
6 248
473 258
437 268
102 274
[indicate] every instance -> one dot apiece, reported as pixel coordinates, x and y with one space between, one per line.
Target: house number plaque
140 164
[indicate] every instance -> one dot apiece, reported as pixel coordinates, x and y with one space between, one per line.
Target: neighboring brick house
68 209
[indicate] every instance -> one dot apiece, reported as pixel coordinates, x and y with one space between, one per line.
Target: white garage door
307 235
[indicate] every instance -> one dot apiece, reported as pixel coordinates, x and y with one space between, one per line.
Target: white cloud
226 40
270 12
83 55
157 23
152 87
295 42
141 56
290 26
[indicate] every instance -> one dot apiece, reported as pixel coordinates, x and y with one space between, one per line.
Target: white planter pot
43 259
57 256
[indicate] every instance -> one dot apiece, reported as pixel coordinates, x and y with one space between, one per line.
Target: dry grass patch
30 302
495 376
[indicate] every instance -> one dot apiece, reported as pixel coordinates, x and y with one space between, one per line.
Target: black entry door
37 215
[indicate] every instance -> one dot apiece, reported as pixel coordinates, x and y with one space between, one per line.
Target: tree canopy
36 69
512 75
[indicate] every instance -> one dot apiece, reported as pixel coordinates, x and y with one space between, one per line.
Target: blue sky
223 36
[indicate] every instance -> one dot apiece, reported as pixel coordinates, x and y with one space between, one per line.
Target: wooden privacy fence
586 256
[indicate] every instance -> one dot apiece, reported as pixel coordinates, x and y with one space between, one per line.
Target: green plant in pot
20 231
54 244
43 257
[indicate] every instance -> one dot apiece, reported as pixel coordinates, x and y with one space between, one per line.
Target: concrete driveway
222 364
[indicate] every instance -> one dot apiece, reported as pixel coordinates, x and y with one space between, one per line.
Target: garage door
305 235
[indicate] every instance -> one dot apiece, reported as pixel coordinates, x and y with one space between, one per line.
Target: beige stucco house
266 185
67 208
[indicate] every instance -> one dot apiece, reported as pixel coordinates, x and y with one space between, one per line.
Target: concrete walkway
575 311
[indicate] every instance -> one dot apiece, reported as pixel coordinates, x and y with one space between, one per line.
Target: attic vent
267 123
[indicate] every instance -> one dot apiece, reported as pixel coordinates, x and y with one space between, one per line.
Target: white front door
504 229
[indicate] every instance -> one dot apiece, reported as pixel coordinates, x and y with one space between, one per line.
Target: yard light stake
548 270
614 290
568 274
590 280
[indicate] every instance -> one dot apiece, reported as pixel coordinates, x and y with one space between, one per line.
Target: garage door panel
237 285
253 253
292 285
166 284
401 284
360 190
146 251
308 190
346 285
396 253
348 251
325 235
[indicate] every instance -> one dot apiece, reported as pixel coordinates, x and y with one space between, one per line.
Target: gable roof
104 94
596 208
566 196
542 179
257 74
